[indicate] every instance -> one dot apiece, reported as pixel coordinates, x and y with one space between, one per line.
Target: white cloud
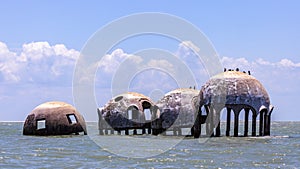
37 61
281 76
230 62
9 70
263 62
4 51
235 63
161 63
187 48
152 79
288 63
8 64
40 62
36 51
110 62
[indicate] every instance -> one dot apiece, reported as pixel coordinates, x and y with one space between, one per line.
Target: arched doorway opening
223 117
133 113
147 110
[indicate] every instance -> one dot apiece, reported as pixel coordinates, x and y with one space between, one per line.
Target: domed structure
177 109
54 118
126 111
235 91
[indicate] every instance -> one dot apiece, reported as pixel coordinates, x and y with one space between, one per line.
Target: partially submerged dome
54 118
178 109
235 88
126 111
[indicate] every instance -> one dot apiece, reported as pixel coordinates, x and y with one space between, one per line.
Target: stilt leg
254 124
246 122
261 122
228 122
236 124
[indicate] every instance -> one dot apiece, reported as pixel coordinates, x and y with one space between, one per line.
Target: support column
179 131
212 123
236 124
269 124
149 130
218 130
218 120
228 121
253 124
265 131
261 123
100 122
175 131
246 122
196 129
269 121
126 132
209 122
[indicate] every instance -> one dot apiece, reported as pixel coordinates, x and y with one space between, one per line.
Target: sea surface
280 150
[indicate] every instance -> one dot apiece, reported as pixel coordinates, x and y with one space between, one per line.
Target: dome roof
235 88
179 97
57 117
178 108
125 111
120 103
183 90
52 105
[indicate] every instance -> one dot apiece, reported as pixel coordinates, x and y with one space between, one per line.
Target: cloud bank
38 62
40 72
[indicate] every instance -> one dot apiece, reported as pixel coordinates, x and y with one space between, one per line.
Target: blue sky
40 40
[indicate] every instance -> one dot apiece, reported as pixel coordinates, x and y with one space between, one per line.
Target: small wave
270 137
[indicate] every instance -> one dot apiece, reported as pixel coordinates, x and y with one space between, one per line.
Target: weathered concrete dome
54 118
178 109
126 111
237 88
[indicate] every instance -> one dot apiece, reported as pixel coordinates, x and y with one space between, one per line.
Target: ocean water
280 150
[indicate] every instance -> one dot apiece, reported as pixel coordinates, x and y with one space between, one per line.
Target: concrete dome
177 109
235 88
235 91
126 111
54 118
120 103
